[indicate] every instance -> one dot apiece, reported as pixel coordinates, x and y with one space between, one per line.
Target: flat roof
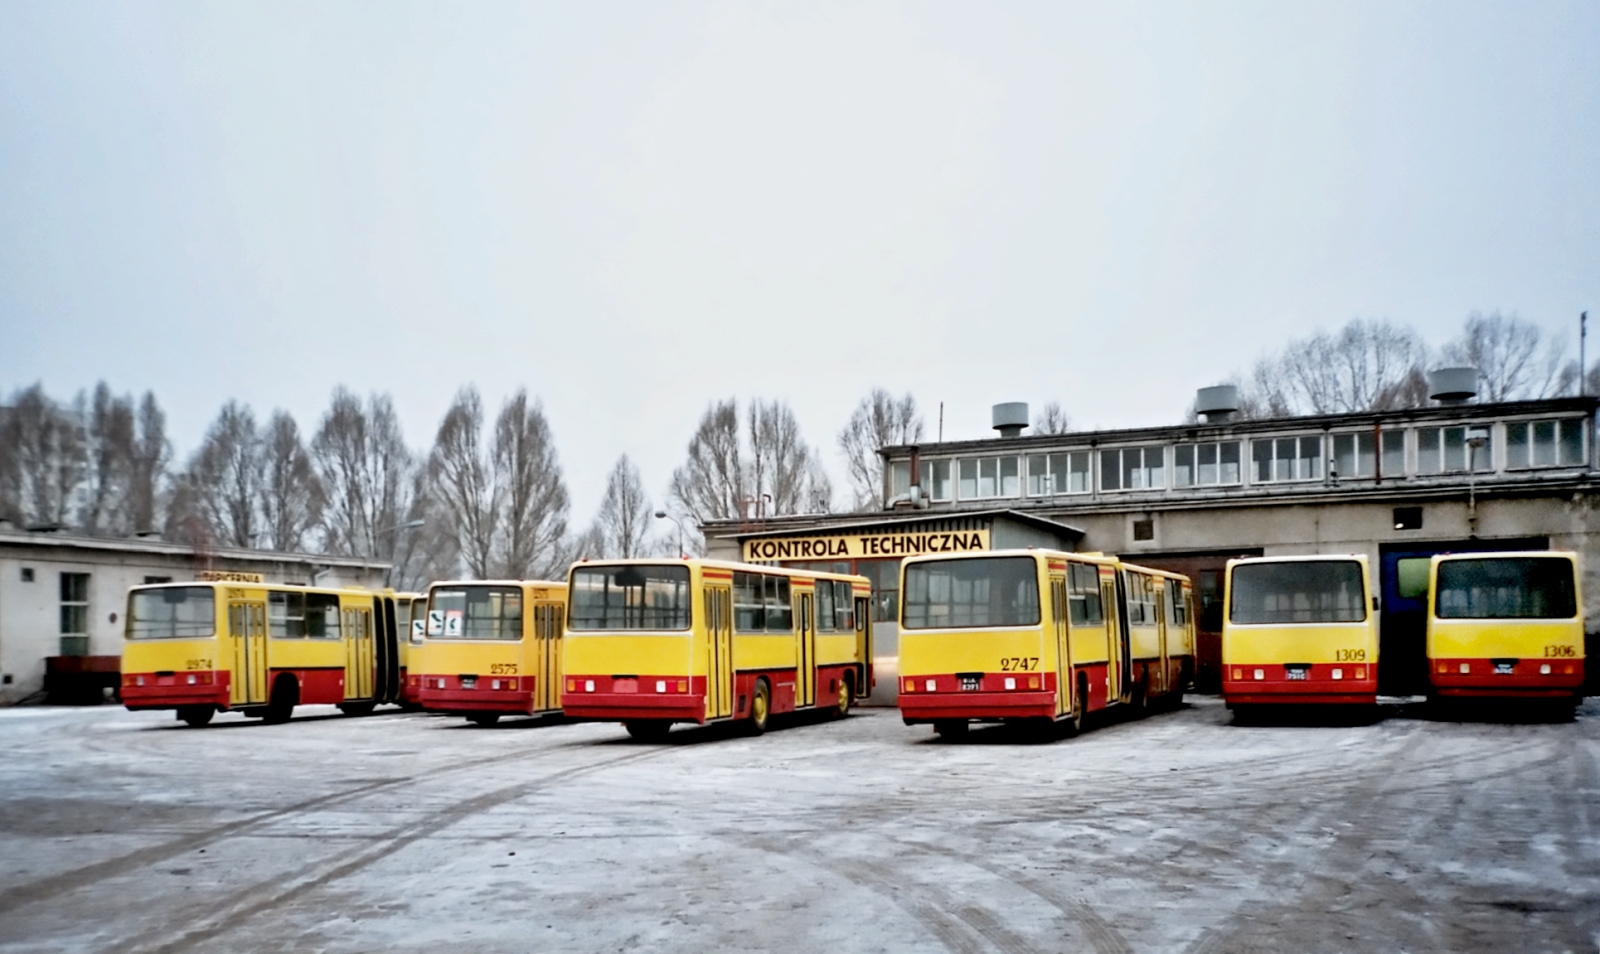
737 529
57 540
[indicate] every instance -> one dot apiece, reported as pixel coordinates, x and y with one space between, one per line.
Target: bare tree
532 489
366 470
148 464
1506 352
223 479
291 494
43 460
1364 366
463 484
623 525
108 429
878 421
1052 420
761 467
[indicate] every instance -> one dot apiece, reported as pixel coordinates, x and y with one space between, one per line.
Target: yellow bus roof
719 565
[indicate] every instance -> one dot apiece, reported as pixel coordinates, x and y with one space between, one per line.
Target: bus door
1163 676
1124 638
864 648
1116 635
1058 615
547 636
805 683
719 652
247 629
358 653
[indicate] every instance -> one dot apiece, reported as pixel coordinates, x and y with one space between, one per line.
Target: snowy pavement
1180 832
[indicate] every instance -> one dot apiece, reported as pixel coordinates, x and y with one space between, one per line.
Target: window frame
1529 451
1194 448
1273 461
76 605
1143 468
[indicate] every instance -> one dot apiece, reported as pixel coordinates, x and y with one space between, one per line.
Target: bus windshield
629 597
1506 588
171 612
1302 591
478 612
988 591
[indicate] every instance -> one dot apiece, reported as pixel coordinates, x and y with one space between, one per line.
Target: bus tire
285 696
1139 699
950 729
357 708
1073 723
648 730
196 716
760 707
484 719
846 697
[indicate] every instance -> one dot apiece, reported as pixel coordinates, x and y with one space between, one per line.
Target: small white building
62 597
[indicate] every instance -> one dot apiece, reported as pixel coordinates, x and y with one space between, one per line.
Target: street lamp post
1477 437
388 574
663 515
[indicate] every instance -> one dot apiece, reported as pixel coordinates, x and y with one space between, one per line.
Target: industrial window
1354 455
936 479
990 477
1544 443
1282 459
899 478
1133 468
1144 529
1446 450
1394 453
1205 465
1064 473
74 604
1083 594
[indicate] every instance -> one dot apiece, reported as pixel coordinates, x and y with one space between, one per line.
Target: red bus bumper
612 699
1323 684
1526 678
937 706
511 695
169 690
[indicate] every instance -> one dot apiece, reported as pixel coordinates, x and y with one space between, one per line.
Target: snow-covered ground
1180 832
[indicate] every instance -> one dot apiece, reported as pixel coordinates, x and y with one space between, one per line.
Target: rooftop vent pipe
1453 385
1217 403
1010 418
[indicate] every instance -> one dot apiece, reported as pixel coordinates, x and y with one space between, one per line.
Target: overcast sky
634 209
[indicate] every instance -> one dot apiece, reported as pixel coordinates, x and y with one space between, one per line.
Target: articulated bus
410 622
490 649
1039 637
1299 629
1506 625
239 645
652 642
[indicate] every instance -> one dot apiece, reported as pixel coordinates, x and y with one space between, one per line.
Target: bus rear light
511 684
1466 667
141 680
494 684
1338 674
1011 682
1261 674
932 685
911 685
588 685
683 685
1443 668
572 685
1361 672
1238 674
441 683
1544 669
1033 682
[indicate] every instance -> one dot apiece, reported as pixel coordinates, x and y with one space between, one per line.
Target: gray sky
635 209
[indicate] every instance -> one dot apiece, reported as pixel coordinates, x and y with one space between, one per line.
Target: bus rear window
1303 591
478 612
629 598
1506 588
172 612
988 591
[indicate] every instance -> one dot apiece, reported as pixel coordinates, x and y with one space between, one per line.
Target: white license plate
1297 673
469 683
1504 669
968 684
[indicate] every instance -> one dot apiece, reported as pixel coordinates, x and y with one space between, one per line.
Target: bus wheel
357 708
949 729
760 707
484 719
285 696
844 699
1073 724
196 716
1140 703
648 730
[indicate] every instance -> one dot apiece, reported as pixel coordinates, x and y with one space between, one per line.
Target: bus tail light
683 685
1361 672
511 684
932 685
911 685
661 685
1011 682
588 685
1544 669
1261 674
572 685
1466 667
1238 674
1033 682
1338 674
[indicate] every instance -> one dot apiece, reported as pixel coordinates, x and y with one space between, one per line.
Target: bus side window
825 617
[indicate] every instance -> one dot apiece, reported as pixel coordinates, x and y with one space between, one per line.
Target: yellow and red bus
410 624
1299 630
491 648
240 645
654 642
1039 637
1506 625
